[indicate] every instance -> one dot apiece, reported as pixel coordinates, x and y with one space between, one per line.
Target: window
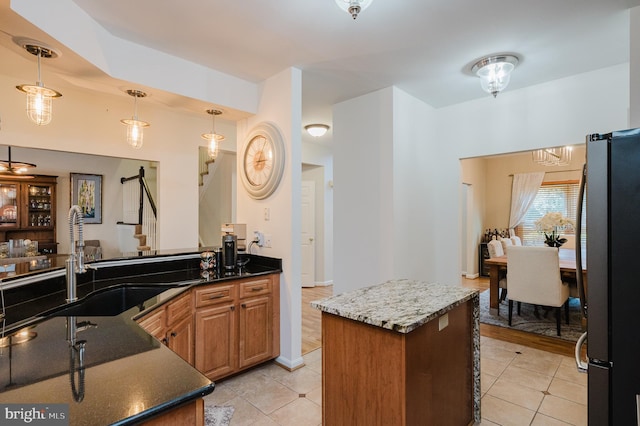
552 197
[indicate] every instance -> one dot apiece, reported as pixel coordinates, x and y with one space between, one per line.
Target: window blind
552 197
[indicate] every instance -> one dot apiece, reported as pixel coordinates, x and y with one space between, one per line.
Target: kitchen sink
110 301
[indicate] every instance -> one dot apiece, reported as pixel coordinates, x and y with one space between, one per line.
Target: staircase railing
139 208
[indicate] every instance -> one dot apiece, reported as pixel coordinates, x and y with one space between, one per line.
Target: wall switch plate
267 240
267 213
443 322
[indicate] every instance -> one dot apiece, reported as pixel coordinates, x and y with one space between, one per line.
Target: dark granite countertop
128 375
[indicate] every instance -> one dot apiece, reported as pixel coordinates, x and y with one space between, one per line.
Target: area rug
529 323
217 416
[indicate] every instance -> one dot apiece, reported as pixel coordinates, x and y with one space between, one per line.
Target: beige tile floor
520 386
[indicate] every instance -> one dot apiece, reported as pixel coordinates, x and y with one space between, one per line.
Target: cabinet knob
165 341
244 306
173 334
233 308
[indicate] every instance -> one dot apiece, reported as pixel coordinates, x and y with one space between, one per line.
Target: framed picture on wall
86 192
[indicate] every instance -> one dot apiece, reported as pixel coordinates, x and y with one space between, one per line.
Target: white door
308 233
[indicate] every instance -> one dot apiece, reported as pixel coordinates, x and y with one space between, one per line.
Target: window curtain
523 192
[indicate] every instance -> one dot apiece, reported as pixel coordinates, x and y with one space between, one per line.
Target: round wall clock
262 161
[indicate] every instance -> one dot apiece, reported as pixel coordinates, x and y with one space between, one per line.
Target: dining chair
516 241
506 243
534 277
495 250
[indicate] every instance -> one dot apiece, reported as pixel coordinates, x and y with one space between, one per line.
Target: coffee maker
229 252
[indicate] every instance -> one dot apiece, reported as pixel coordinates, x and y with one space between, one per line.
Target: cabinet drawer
215 294
255 287
178 309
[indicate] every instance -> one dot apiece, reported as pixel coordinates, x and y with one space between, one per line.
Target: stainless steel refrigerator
611 296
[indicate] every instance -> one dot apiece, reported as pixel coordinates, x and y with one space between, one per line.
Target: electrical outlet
259 238
267 240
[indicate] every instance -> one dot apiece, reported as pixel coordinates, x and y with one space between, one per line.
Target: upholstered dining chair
495 250
506 243
534 277
516 241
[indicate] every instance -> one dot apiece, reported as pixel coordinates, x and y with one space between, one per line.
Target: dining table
567 270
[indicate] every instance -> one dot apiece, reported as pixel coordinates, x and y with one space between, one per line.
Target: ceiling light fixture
39 97
552 156
495 72
316 130
213 138
15 167
135 127
353 7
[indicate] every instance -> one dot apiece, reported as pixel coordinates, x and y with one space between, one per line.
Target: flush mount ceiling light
552 156
213 138
17 168
316 130
495 72
39 97
353 7
135 127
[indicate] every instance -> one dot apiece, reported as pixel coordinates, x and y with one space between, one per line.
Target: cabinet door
256 330
180 339
40 203
154 324
215 337
9 205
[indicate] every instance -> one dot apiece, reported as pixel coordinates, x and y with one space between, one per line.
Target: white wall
363 191
322 156
280 103
551 114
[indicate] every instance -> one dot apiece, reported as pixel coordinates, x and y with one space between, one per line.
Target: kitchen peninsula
401 353
94 355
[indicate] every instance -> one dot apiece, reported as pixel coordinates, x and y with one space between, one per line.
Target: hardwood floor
311 318
312 331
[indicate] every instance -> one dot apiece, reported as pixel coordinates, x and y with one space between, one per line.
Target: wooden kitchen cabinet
222 328
216 342
173 325
28 210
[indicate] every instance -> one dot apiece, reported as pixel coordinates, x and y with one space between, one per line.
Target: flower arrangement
550 224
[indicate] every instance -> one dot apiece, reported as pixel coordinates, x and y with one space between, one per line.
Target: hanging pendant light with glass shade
15 168
39 97
213 138
135 132
552 156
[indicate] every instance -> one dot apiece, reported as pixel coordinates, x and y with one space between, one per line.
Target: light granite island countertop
415 347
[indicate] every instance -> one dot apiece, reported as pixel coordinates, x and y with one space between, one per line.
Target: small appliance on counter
239 230
229 252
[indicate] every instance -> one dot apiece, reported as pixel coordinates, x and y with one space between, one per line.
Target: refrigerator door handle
579 277
582 365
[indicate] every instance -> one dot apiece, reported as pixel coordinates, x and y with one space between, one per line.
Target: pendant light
495 72
213 138
552 156
39 97
135 132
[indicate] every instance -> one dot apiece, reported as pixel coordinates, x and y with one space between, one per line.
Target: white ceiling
424 47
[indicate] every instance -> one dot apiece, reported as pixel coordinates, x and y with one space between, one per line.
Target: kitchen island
95 358
401 353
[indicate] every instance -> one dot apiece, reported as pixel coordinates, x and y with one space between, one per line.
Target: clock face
263 161
258 160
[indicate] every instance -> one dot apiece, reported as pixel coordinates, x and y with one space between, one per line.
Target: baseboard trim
323 283
288 364
472 276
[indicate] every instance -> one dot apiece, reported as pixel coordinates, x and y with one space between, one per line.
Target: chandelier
39 97
552 156
135 127
213 138
16 168
495 72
